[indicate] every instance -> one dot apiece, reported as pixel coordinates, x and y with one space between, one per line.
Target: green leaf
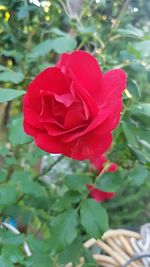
42 49
110 182
17 135
23 183
23 12
131 31
13 253
37 245
143 47
9 94
7 237
94 218
87 30
58 32
11 76
5 262
39 260
138 139
71 253
133 52
59 45
8 194
77 182
129 131
64 44
142 108
4 151
64 229
69 198
2 68
87 254
142 157
3 175
138 175
134 88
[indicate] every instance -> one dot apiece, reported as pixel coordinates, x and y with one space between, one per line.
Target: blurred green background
32 35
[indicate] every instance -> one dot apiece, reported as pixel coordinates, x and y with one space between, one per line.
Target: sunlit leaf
11 76
64 44
9 94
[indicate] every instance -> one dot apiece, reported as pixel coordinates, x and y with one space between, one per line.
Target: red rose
98 194
72 108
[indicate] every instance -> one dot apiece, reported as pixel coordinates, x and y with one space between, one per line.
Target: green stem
94 184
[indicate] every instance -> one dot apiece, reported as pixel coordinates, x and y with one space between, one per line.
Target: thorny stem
94 184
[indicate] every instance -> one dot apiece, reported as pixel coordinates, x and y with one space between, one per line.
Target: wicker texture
118 248
121 248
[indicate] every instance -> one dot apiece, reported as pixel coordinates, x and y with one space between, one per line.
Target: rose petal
113 119
80 149
75 116
102 115
52 144
91 144
113 84
62 63
52 80
52 111
30 130
85 69
66 99
30 115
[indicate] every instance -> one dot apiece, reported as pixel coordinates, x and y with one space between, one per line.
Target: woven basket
121 248
118 248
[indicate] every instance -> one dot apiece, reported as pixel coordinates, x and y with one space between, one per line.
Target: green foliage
110 182
53 210
9 94
138 175
72 253
17 135
93 218
13 253
9 238
11 76
63 229
5 262
39 260
67 44
77 182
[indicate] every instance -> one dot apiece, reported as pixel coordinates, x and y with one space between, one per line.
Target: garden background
41 203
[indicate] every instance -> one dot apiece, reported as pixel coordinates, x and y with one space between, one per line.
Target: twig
49 168
6 114
94 184
43 173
